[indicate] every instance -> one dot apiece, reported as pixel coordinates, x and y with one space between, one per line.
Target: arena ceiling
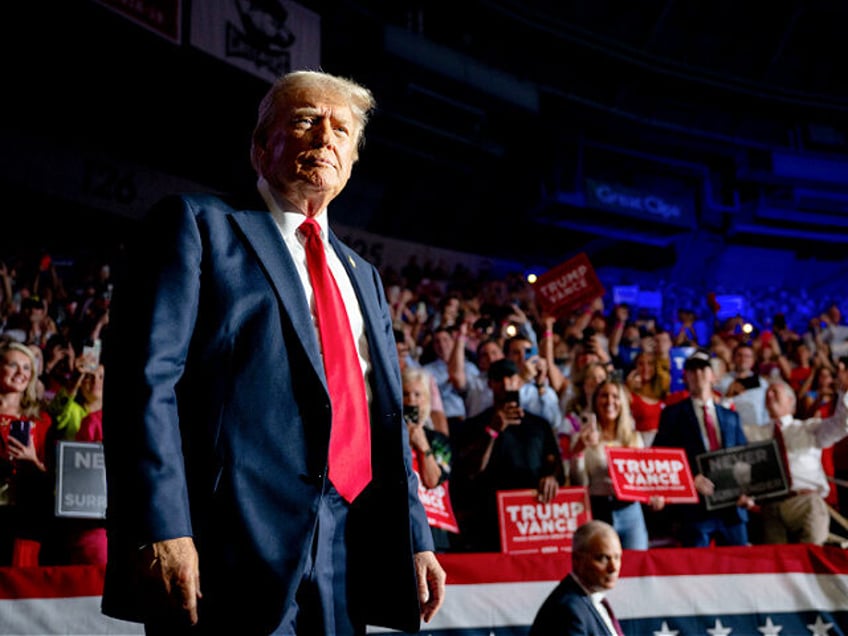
492 114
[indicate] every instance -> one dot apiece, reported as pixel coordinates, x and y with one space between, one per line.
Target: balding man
801 516
577 606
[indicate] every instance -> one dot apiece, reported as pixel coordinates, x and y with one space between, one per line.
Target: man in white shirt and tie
801 515
699 425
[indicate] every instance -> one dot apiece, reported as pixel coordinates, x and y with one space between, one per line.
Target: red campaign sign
530 527
640 473
438 507
568 285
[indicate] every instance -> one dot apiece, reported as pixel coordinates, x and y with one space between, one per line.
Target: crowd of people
602 375
51 389
497 396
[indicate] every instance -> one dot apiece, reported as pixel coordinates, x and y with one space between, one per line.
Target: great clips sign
658 207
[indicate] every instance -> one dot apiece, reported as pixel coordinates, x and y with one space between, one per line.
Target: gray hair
786 388
584 534
357 97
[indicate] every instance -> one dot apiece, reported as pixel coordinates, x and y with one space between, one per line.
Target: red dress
25 551
646 414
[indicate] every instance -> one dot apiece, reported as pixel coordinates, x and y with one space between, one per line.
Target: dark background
697 97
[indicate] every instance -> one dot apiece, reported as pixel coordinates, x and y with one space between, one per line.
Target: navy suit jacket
568 611
679 428
217 420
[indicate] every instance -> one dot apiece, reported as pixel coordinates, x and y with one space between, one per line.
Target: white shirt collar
287 218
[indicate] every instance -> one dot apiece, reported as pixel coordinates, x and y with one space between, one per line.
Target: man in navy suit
697 425
577 606
222 517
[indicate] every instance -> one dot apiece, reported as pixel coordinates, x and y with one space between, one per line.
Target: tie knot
310 228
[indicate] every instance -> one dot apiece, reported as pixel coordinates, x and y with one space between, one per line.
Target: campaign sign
678 357
755 469
80 480
530 527
568 285
640 473
437 505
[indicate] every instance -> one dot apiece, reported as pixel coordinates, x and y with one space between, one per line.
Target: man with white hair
801 515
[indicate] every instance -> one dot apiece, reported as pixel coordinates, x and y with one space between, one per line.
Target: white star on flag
819 628
665 631
719 629
770 629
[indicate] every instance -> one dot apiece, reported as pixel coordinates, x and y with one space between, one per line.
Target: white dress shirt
699 413
288 221
804 441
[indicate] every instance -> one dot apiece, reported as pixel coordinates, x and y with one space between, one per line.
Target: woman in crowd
647 390
612 425
584 388
431 453
25 493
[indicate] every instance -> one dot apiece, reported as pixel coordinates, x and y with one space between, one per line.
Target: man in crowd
502 448
254 397
450 374
577 606
801 515
699 424
535 394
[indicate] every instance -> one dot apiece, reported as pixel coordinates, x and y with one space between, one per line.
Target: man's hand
431 584
509 414
547 489
703 485
174 563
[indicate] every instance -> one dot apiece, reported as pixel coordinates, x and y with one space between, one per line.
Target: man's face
778 402
500 387
700 380
443 344
743 359
598 567
518 351
311 148
489 353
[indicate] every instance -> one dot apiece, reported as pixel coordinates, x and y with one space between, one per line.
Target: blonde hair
423 377
625 429
357 97
30 405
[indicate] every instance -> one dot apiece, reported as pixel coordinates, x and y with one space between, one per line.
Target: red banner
568 285
437 505
530 527
640 473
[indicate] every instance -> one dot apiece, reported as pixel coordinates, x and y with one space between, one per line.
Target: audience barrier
770 590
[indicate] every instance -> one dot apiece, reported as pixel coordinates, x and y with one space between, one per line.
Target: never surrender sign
568 286
641 473
80 480
530 527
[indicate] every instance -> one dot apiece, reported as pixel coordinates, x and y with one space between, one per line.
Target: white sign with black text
80 480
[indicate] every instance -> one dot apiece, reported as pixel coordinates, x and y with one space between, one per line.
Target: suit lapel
698 436
263 235
590 606
360 278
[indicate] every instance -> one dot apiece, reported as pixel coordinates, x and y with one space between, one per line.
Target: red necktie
781 446
711 431
350 433
614 620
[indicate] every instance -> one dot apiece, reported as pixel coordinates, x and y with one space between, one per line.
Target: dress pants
321 603
699 534
802 518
